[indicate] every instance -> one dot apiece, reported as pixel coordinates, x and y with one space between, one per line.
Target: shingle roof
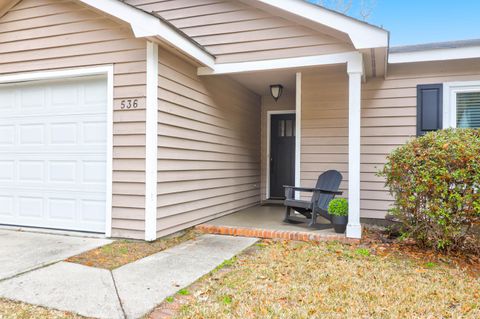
436 46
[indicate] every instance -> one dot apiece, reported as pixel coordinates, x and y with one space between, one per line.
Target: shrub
338 207
435 181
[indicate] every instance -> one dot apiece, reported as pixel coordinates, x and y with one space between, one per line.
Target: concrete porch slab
267 222
66 286
24 251
144 284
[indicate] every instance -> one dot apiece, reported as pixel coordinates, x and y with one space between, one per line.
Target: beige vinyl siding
389 119
286 102
209 146
324 124
50 35
234 31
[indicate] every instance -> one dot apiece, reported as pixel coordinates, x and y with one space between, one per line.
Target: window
468 110
286 128
462 107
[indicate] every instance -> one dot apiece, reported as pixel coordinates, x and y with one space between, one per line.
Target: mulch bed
123 252
381 243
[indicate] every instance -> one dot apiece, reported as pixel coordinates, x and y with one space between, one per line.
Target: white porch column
151 143
355 72
298 131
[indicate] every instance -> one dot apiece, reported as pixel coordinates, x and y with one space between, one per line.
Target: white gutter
435 55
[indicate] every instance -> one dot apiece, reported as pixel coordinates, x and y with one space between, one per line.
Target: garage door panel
7 169
63 210
50 131
31 171
53 154
7 135
88 173
7 203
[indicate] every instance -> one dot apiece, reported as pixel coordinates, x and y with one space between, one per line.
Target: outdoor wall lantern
276 90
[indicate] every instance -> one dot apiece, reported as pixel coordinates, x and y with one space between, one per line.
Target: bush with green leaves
435 181
338 207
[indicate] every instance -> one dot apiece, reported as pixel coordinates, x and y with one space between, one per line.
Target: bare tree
365 7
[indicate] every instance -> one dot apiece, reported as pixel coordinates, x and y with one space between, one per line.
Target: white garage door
53 154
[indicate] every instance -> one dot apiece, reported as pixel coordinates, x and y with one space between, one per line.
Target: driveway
24 251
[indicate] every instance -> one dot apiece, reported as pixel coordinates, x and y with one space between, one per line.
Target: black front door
282 154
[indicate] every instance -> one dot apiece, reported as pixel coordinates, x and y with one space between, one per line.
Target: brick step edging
272 234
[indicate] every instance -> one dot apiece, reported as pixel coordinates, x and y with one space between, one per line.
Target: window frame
450 90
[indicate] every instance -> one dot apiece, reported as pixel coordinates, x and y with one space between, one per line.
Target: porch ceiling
259 82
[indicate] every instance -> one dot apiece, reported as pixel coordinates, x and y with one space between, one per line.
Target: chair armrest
290 190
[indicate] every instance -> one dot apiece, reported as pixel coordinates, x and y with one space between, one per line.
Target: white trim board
269 143
151 143
450 89
144 25
72 73
351 58
435 55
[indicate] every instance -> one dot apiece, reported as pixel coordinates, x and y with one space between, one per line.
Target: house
139 118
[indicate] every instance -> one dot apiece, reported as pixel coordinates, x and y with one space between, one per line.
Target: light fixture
276 90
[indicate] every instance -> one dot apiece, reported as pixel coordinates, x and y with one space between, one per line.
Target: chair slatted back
329 180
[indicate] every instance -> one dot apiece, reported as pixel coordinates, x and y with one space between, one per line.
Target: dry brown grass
123 252
16 310
330 280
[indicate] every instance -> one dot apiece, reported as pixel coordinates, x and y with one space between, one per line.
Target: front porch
323 100
266 221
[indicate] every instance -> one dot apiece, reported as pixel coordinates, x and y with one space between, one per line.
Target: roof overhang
435 55
145 25
362 35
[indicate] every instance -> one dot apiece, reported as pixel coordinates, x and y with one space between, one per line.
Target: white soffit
435 55
146 25
362 35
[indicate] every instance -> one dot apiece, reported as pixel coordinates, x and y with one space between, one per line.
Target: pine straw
330 280
16 310
123 252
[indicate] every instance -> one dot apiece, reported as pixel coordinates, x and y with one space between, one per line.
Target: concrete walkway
24 251
130 291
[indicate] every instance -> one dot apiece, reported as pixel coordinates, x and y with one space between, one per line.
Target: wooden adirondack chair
324 191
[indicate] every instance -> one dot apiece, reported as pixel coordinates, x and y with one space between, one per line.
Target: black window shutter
429 108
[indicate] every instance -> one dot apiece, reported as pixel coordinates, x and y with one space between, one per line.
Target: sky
425 21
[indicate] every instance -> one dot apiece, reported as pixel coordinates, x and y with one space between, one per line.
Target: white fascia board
354 58
363 36
146 25
435 55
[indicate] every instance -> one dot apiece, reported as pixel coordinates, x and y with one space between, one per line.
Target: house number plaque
129 104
